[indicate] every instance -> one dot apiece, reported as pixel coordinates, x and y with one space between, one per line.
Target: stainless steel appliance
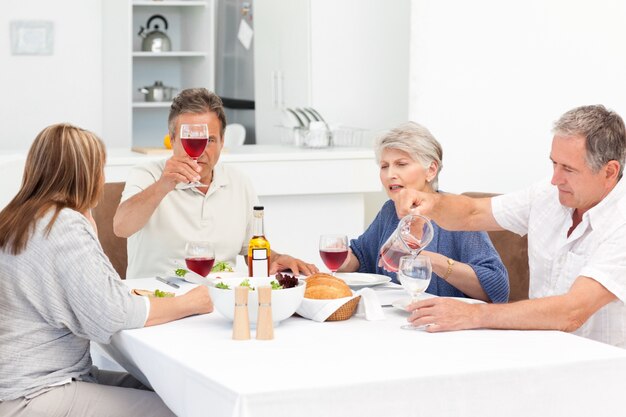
234 80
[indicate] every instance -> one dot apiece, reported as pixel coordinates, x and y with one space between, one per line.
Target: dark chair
513 250
113 246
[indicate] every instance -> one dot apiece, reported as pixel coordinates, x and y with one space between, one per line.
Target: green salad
246 283
162 294
220 266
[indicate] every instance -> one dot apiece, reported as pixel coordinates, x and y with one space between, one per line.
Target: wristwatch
451 262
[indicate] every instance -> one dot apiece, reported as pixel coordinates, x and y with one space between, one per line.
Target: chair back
114 247
234 135
513 250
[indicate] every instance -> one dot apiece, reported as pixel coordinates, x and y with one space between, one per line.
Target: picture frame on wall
32 37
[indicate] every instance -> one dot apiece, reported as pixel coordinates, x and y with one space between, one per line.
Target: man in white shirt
158 215
576 237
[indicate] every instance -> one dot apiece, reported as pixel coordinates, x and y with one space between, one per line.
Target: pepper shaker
265 325
241 321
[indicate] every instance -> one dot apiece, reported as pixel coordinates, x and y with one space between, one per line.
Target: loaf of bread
325 287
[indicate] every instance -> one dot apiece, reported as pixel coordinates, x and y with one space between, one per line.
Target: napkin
369 306
320 310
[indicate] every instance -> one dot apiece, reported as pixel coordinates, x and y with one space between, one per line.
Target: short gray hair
605 136
197 101
418 142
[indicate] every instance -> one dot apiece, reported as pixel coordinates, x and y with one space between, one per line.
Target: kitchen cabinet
128 120
349 59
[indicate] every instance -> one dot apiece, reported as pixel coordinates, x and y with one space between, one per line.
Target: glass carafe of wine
413 234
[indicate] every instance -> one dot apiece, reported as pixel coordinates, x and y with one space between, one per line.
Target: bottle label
260 263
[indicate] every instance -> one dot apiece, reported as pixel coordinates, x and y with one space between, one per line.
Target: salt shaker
264 324
241 321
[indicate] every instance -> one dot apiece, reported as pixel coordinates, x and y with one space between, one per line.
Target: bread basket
345 311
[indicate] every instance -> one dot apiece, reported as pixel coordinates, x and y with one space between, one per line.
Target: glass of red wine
194 138
199 257
333 251
413 234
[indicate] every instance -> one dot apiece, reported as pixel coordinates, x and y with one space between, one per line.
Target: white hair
418 142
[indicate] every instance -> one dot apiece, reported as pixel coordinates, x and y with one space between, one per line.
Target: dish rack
323 138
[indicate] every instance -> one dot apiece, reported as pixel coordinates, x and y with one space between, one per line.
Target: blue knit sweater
472 248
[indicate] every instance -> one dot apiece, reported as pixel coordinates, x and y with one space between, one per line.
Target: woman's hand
199 299
195 301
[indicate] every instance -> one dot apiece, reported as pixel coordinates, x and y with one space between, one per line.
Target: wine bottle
259 248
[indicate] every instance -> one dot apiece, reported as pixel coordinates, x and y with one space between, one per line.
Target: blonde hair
64 169
418 142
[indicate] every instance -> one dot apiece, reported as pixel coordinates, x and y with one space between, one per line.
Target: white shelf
151 104
172 54
169 3
190 63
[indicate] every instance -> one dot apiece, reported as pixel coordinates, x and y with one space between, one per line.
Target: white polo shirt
223 216
595 249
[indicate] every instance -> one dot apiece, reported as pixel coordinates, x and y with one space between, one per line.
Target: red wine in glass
194 140
201 266
334 258
333 251
194 146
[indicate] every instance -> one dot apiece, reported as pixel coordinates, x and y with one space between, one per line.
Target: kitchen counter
306 192
257 152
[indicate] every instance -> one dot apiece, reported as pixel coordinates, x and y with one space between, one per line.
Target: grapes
287 281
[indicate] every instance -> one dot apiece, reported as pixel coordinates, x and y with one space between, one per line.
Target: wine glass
333 251
194 138
413 234
414 274
199 257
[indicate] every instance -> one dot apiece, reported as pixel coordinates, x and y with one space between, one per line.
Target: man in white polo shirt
576 230
158 216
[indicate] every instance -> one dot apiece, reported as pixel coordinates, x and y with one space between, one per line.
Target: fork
171 284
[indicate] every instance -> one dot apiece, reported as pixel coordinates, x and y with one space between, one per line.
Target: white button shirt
595 249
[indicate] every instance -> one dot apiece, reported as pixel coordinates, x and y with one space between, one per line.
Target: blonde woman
465 264
59 291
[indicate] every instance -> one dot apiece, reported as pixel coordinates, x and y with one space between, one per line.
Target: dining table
359 367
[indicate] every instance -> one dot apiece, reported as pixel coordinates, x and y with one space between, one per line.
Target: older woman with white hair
465 264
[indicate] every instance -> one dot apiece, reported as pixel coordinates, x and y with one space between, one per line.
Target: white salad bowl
284 301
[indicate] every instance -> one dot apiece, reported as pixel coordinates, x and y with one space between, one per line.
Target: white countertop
123 156
253 153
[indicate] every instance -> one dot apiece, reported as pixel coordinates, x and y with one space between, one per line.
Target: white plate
357 280
403 302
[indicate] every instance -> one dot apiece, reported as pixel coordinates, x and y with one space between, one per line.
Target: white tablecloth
371 368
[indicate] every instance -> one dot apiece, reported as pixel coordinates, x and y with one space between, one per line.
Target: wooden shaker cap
241 295
265 294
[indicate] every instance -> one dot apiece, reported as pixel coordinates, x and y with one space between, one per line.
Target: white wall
360 61
63 87
489 78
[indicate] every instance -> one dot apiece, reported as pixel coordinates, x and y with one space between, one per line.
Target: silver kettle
156 40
